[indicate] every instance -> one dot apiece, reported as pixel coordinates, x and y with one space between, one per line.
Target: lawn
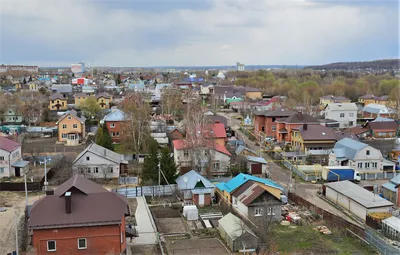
304 240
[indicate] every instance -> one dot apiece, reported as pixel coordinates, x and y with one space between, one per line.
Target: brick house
286 125
377 110
113 122
265 122
79 217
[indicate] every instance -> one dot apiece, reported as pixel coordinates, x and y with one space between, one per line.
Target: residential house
377 110
390 190
255 202
371 99
175 134
360 132
57 102
98 162
265 122
33 86
211 159
114 123
12 116
344 113
206 89
391 227
236 233
314 140
242 150
214 132
325 100
104 100
383 128
218 119
79 216
11 163
195 188
359 156
225 189
339 135
80 98
285 126
71 128
253 93
396 150
64 89
257 166
233 96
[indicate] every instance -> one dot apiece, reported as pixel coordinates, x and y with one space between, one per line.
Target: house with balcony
285 126
344 113
104 100
359 156
71 128
265 122
57 102
80 217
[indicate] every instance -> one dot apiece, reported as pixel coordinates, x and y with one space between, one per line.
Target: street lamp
45 172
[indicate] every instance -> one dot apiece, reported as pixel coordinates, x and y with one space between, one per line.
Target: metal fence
379 243
128 180
378 175
162 190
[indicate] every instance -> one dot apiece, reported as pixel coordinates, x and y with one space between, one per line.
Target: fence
379 243
378 175
128 180
162 190
31 186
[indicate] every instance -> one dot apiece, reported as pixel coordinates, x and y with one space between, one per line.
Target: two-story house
10 158
372 99
71 128
104 100
57 102
98 162
12 116
358 155
79 217
383 128
344 113
377 110
325 100
313 139
114 123
80 98
286 125
265 122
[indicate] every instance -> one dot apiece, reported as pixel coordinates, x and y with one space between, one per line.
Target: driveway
145 225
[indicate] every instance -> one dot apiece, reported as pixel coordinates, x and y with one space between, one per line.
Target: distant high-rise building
239 66
30 69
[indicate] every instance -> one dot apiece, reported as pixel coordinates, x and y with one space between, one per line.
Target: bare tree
171 101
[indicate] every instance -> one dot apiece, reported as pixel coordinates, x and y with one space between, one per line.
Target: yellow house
33 86
104 100
371 99
253 94
18 86
80 98
71 128
57 102
313 139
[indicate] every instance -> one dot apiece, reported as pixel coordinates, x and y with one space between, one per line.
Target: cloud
212 32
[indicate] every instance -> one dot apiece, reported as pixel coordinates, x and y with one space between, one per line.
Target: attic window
323 133
367 152
69 117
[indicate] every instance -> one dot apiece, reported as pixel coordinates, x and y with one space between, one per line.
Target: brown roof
383 125
339 135
57 96
8 144
359 130
91 205
316 132
104 95
249 192
298 117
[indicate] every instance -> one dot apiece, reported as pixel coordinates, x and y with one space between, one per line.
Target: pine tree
150 165
103 138
168 166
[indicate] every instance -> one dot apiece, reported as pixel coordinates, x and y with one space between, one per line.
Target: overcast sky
197 32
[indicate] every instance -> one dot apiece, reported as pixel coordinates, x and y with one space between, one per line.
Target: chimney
49 192
300 114
305 126
68 202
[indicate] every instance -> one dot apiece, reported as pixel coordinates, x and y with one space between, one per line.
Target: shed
196 188
236 233
391 227
356 199
257 166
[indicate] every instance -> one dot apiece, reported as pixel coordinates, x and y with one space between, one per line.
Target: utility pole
26 190
45 173
16 231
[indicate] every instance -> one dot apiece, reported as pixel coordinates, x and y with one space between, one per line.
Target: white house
212 159
98 162
344 113
359 156
10 158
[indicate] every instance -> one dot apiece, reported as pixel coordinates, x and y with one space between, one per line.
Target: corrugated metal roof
102 152
116 115
240 179
393 222
234 226
348 148
390 186
256 159
193 178
8 145
396 179
359 194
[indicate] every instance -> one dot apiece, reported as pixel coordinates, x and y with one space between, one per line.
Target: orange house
71 128
104 100
285 126
80 217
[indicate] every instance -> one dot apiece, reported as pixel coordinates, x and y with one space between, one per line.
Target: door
17 172
256 169
201 199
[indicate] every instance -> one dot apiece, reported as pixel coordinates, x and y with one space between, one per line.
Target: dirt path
7 218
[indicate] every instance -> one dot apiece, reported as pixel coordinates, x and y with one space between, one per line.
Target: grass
305 240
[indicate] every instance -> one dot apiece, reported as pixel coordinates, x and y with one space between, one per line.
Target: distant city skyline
148 33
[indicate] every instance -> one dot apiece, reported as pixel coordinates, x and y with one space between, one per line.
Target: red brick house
285 126
113 122
79 217
265 122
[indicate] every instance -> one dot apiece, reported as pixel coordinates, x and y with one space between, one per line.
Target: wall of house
242 208
61 102
254 95
207 200
79 100
259 122
104 102
70 129
389 195
226 237
115 132
99 239
95 161
6 170
271 126
375 156
344 122
246 238
10 116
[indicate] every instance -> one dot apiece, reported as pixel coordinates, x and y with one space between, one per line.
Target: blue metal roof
240 179
390 186
396 179
256 159
193 178
118 115
348 148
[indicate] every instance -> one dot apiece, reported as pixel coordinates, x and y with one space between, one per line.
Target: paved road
145 224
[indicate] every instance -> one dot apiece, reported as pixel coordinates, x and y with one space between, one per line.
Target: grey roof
82 119
63 88
279 112
102 152
193 178
256 159
56 95
234 226
393 222
377 108
396 179
359 194
348 148
241 148
342 107
115 115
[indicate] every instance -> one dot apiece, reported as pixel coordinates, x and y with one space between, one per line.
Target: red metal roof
8 145
182 144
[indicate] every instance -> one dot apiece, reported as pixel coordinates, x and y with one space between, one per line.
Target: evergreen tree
103 138
30 78
118 79
168 167
150 166
24 81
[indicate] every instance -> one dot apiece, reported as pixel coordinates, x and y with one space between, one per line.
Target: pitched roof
377 108
316 132
8 144
218 119
279 112
183 144
384 125
73 113
348 147
234 226
87 197
63 88
192 177
101 152
256 159
240 179
56 95
81 94
241 148
335 98
342 107
298 117
104 95
249 192
339 135
115 115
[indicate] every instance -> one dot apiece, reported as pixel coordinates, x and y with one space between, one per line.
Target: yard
305 240
168 220
210 246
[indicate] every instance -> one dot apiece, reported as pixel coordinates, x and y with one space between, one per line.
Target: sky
197 32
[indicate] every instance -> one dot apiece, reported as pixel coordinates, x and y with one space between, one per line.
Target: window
2 170
1 158
367 152
96 170
82 243
186 153
262 129
51 245
122 236
69 117
366 165
216 165
374 164
351 123
64 126
351 114
75 126
271 211
64 136
359 165
342 115
88 170
110 169
112 125
273 128
257 211
112 134
117 134
87 158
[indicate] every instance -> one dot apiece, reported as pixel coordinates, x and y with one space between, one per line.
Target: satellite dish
185 179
